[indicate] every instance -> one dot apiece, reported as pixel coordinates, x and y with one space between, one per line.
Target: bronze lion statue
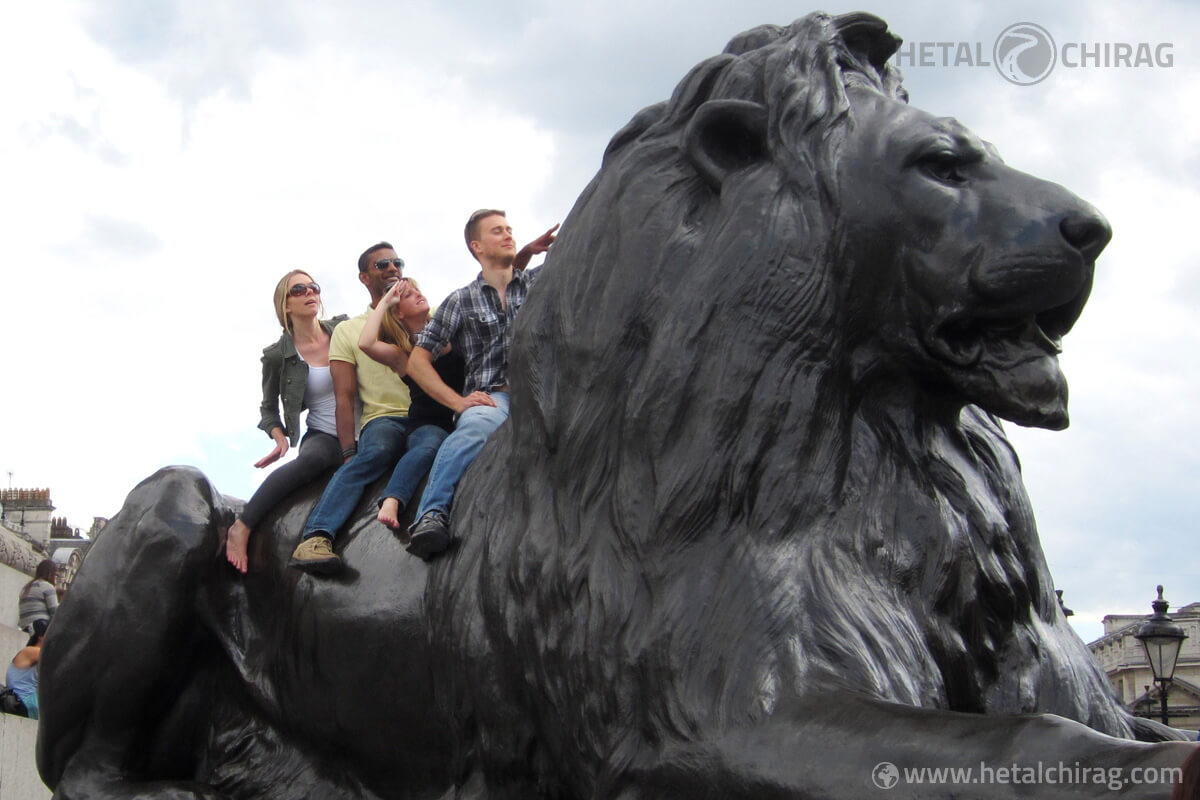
753 528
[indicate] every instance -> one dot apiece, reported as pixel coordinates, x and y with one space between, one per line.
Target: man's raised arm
536 247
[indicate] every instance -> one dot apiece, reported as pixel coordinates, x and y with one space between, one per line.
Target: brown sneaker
315 555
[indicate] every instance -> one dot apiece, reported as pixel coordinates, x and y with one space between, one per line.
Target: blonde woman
295 373
388 338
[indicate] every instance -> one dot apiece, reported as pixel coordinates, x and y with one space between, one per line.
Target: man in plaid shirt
477 321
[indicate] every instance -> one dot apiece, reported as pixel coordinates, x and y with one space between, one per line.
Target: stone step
11 640
19 779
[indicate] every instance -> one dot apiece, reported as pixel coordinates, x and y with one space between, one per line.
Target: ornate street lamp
1162 640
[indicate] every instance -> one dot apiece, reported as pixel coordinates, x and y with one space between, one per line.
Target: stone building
27 512
30 533
1123 659
68 548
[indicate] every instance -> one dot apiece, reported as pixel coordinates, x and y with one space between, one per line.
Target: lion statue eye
943 167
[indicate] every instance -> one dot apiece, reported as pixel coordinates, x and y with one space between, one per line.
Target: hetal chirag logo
1025 54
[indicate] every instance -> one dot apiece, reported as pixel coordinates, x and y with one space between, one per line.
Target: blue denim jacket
284 375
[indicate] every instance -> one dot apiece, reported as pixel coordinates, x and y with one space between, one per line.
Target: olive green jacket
284 375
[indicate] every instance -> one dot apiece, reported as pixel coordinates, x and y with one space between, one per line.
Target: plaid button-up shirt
471 319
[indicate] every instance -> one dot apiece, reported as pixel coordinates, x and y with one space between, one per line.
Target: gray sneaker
315 555
429 535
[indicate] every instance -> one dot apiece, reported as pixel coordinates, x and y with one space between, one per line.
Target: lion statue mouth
1011 331
1006 353
1004 338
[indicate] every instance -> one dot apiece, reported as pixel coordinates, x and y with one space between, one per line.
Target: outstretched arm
536 247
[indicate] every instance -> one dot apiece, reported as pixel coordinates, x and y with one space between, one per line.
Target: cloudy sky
164 162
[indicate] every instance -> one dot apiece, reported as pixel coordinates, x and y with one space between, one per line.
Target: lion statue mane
752 530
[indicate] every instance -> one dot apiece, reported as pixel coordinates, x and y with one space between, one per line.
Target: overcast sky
164 162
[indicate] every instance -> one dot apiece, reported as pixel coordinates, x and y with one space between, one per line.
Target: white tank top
320 401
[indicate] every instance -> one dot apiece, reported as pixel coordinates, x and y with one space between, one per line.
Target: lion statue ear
868 37
725 136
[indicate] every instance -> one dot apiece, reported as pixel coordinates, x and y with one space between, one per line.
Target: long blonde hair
281 298
393 331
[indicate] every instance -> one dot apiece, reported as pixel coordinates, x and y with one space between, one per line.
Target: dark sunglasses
301 289
383 263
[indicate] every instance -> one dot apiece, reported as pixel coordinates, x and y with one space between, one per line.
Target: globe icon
885 775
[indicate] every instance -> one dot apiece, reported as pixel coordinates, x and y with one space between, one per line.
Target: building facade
1123 659
27 512
68 548
29 533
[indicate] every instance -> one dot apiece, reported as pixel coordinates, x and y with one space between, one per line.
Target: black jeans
319 453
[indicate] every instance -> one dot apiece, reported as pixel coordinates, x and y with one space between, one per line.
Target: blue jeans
380 446
31 705
423 444
471 432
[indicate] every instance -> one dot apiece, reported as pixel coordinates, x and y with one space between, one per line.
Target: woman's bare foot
235 545
389 512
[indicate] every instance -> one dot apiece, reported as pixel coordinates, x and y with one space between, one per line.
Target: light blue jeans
471 432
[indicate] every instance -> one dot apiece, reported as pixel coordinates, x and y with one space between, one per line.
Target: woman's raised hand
393 295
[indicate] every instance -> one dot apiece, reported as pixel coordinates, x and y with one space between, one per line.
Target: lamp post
1162 640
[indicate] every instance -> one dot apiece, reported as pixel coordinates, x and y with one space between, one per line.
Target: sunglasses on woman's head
301 289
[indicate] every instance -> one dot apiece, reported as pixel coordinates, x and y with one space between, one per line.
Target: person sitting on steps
22 675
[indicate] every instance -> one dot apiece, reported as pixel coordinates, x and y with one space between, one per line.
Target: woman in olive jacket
296 373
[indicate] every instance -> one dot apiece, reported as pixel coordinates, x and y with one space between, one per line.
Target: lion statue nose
1088 232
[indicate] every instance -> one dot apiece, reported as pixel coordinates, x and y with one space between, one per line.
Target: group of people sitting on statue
396 388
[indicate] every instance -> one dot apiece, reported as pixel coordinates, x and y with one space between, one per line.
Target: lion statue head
754 454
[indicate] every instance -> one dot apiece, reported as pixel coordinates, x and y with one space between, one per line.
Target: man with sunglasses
478 321
383 437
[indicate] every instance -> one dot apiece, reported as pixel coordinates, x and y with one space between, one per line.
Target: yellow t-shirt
380 390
